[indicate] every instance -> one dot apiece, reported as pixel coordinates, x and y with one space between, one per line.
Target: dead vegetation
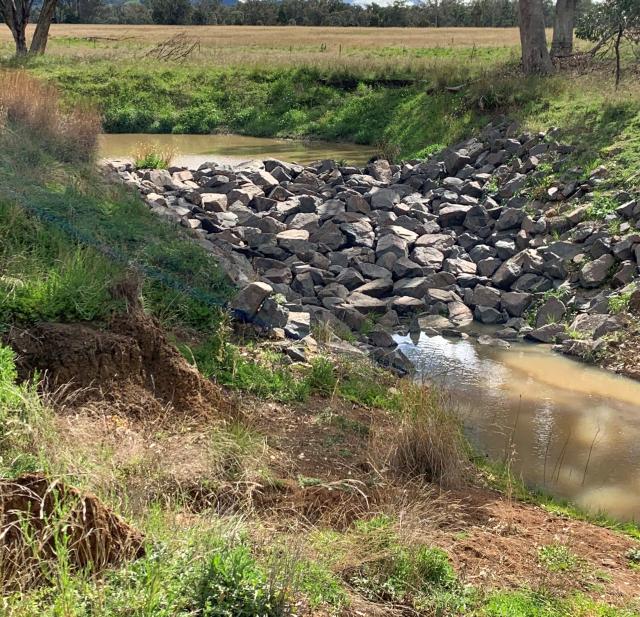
70 133
176 48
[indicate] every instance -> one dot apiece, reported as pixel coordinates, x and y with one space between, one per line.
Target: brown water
193 150
574 429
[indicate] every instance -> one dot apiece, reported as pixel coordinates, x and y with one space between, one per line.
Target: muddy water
193 150
571 429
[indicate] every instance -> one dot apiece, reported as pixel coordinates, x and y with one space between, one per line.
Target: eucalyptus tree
610 23
533 38
563 26
17 13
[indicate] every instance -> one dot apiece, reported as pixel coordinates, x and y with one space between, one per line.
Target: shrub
152 156
71 134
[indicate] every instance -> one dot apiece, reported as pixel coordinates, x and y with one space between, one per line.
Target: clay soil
129 366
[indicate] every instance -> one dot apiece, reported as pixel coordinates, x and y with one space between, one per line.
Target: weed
234 584
601 206
557 558
322 378
619 303
152 156
633 555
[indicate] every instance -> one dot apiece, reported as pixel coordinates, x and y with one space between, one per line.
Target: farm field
388 52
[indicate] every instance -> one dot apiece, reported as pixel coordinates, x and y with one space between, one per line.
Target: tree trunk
535 55
16 16
41 35
563 22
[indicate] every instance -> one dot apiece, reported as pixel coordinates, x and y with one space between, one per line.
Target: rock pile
477 232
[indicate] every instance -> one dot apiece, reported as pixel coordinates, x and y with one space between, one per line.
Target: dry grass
175 463
375 51
427 443
280 37
34 105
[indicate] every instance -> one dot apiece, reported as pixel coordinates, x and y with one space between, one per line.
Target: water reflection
193 150
575 429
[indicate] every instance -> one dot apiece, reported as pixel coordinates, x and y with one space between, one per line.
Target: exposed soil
321 456
129 365
621 355
33 512
493 541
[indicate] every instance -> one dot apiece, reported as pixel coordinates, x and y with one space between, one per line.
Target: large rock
377 289
550 333
459 266
390 243
595 273
298 325
366 304
414 287
515 303
552 311
248 301
244 194
485 296
452 215
427 256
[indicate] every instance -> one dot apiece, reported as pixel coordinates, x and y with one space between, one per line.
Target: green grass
25 422
67 237
408 120
528 603
47 277
619 302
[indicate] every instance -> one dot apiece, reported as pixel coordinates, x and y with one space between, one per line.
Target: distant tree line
428 13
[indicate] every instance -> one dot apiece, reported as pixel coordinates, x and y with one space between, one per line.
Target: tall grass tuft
70 134
153 156
428 443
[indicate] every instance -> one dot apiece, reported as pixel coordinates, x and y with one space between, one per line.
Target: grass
619 303
69 238
386 51
25 421
151 156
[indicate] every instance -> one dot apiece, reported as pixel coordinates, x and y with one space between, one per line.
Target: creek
193 150
570 429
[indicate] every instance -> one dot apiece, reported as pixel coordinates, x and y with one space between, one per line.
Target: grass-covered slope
404 118
68 236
